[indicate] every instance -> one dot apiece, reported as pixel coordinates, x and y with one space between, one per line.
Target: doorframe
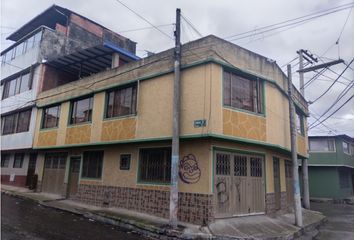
216 148
69 173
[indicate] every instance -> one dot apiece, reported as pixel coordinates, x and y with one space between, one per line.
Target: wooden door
31 180
238 184
289 183
74 176
276 174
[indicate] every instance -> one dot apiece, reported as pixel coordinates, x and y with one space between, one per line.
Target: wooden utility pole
176 123
296 186
304 161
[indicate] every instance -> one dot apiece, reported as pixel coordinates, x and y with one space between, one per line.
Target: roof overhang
90 60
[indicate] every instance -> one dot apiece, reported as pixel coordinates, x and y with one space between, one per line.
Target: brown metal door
31 182
289 183
74 175
239 184
276 173
54 172
223 184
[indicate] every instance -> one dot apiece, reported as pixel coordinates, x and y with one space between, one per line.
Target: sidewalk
250 227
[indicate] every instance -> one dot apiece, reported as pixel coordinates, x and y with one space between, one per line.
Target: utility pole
304 161
176 123
296 187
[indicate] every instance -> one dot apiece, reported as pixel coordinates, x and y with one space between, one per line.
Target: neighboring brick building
56 33
331 166
107 140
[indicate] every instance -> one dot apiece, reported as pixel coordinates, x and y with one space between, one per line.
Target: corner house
106 140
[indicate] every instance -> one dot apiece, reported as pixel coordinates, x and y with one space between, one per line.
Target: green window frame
81 110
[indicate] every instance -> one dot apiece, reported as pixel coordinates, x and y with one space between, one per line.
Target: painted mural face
189 171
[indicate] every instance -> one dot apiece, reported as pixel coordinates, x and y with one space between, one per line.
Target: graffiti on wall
189 171
222 193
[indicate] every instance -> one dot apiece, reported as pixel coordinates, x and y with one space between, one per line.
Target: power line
137 14
144 28
333 112
332 84
345 23
191 25
288 22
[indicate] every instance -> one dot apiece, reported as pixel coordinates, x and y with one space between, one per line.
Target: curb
154 232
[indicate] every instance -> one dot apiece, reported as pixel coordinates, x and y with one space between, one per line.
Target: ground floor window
344 178
5 159
18 160
92 164
155 165
55 160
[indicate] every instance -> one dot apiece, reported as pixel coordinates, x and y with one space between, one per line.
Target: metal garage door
238 184
54 172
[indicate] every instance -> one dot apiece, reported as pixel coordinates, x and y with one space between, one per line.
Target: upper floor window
121 102
81 111
346 148
16 122
322 145
21 48
51 117
242 93
300 127
17 85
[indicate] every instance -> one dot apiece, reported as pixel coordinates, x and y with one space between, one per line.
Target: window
51 117
155 165
223 164
125 161
242 93
344 177
5 159
55 160
300 128
240 165
92 164
16 122
18 160
17 85
346 148
81 111
322 145
121 102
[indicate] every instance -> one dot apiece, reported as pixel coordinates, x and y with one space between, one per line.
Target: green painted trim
48 129
244 111
79 124
119 117
195 136
235 150
185 66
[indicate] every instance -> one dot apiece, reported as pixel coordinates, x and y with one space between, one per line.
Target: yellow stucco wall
47 138
301 145
244 125
78 134
118 129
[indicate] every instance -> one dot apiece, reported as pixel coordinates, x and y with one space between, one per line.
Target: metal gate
54 172
289 182
238 184
276 174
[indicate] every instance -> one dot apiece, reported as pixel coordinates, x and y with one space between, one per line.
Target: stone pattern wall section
47 138
78 134
119 129
270 203
193 208
244 125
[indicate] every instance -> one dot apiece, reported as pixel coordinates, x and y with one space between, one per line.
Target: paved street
340 223
24 219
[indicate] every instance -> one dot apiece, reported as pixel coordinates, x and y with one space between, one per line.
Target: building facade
52 37
107 140
331 164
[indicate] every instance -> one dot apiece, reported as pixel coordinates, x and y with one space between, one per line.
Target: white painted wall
17 171
20 62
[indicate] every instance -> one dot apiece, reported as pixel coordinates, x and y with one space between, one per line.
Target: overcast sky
225 18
